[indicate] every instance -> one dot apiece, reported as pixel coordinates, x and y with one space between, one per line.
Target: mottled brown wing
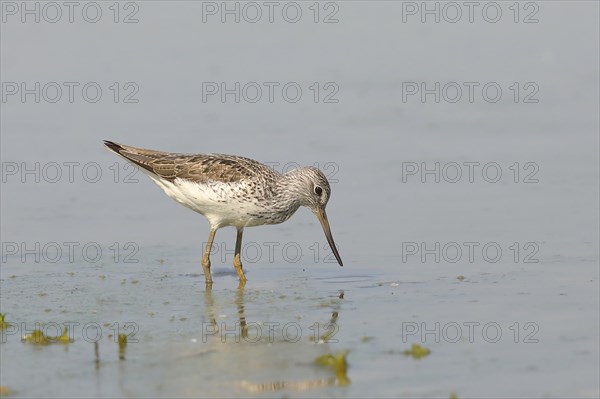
199 168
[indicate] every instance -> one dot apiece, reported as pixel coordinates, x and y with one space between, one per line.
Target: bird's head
313 192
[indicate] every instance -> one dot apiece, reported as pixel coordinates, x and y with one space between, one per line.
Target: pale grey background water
363 141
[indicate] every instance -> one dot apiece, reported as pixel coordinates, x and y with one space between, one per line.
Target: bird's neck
289 192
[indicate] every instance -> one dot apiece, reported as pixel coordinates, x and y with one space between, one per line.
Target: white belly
216 201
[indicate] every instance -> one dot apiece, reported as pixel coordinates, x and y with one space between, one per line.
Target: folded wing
199 168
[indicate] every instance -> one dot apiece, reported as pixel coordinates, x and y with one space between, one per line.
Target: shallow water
179 353
522 322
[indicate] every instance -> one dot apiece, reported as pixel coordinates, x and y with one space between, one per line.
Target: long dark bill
322 216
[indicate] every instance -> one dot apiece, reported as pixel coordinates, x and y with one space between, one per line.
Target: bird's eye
318 190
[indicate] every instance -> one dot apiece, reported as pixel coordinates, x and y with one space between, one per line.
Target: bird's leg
206 257
237 260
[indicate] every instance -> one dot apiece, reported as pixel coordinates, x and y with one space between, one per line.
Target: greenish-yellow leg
237 260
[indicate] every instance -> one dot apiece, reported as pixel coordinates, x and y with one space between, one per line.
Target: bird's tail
139 156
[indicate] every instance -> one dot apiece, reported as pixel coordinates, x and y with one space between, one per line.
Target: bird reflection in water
325 336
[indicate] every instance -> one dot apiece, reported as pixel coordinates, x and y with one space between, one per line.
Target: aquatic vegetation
337 363
37 337
3 324
417 351
64 338
122 339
